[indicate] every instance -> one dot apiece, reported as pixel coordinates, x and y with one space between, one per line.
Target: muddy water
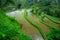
26 27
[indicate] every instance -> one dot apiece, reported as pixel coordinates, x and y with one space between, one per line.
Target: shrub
10 29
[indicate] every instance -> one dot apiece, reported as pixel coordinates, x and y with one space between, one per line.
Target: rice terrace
29 19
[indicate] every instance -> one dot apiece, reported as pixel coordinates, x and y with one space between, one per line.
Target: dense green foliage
10 5
54 35
5 3
50 7
10 29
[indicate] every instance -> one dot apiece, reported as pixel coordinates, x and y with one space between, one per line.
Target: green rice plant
54 34
54 19
35 25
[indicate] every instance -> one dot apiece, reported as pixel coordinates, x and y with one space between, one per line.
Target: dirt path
27 27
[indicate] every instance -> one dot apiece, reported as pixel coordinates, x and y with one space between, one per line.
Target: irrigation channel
26 26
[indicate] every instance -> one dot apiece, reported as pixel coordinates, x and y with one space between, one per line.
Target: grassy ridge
54 19
54 32
35 25
48 25
10 29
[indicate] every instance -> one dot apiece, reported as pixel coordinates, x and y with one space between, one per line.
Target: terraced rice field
30 29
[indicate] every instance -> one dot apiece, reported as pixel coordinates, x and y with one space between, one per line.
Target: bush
10 29
54 35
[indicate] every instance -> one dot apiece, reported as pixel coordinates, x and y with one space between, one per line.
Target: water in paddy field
29 11
26 26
